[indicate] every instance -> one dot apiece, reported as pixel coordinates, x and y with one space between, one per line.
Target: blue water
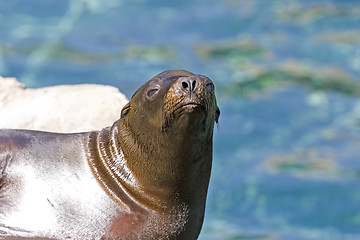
286 155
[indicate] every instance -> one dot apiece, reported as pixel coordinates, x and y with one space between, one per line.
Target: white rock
67 108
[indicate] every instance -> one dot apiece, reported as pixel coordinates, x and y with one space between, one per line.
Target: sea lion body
47 187
145 177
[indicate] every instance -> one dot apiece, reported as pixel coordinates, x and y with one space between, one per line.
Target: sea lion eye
125 110
152 92
210 86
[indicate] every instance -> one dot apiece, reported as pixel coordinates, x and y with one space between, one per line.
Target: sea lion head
174 101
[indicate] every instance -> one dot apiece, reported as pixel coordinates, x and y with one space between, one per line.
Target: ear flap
217 115
125 110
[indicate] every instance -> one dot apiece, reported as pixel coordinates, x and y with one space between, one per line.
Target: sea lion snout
196 90
192 83
189 101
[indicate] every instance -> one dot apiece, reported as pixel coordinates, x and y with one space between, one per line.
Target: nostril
185 85
194 84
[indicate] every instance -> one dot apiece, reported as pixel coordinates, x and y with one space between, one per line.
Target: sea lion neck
165 158
143 183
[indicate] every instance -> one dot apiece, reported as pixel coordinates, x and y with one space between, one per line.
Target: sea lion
145 177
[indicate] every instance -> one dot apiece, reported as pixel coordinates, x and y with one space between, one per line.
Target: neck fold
108 164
